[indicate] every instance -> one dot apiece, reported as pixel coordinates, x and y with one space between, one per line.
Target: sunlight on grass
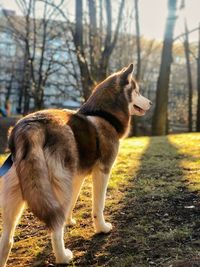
188 145
153 213
128 161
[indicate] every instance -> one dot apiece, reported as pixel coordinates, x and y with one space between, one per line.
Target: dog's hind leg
12 207
76 187
62 255
64 197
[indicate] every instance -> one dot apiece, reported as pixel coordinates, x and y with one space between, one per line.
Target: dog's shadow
87 247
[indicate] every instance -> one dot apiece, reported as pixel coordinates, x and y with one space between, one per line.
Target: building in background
52 59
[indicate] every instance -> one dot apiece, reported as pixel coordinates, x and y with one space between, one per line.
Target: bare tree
110 38
138 48
95 67
86 79
44 48
189 77
138 45
198 86
93 40
160 118
9 86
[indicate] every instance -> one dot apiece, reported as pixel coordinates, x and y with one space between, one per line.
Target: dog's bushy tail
34 177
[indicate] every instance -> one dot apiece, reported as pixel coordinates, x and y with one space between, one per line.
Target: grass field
153 202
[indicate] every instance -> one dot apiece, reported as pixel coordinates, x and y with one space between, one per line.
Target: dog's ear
126 74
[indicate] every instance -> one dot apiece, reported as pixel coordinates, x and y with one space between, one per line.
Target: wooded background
53 55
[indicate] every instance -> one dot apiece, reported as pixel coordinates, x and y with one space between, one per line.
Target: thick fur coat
54 150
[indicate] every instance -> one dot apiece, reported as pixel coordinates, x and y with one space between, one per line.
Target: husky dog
54 150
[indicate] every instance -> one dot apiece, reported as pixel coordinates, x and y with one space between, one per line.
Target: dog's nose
150 103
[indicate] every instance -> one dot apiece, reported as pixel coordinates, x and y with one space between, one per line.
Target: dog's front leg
100 181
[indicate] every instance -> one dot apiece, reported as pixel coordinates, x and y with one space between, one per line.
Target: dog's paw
70 222
105 228
65 258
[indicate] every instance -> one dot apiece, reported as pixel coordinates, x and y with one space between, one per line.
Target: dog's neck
110 104
120 125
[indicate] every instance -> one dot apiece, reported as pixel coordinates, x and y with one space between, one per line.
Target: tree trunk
39 99
97 70
26 85
26 100
189 78
134 122
94 47
159 124
100 23
109 42
198 87
138 45
9 88
86 80
20 99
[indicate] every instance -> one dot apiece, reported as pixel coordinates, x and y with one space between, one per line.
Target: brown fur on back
87 140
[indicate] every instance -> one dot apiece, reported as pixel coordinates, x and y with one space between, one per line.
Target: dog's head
119 93
138 104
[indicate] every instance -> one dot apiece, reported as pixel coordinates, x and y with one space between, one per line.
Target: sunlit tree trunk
189 77
138 45
159 124
198 87
137 75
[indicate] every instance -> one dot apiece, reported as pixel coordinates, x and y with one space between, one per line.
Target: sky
152 15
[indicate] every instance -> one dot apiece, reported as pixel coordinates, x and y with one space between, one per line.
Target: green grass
153 203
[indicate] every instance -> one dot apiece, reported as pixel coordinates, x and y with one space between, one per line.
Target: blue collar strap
6 165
